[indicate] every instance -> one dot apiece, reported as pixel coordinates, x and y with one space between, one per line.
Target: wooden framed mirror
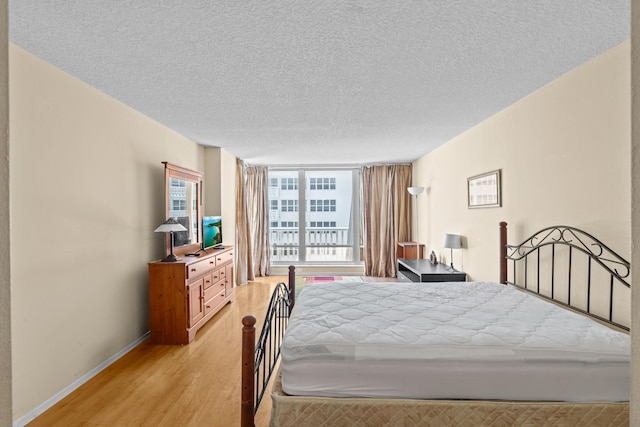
183 200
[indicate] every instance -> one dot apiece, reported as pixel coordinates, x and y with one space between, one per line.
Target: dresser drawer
224 257
217 274
201 267
215 300
213 290
208 281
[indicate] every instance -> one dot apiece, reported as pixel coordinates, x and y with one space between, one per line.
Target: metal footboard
259 358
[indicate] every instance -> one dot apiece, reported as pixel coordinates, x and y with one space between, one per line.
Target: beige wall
228 197
635 210
220 191
564 156
87 191
213 174
5 244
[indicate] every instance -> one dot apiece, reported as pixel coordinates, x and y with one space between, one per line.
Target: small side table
422 270
409 250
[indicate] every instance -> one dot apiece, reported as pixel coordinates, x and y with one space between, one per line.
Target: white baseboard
34 413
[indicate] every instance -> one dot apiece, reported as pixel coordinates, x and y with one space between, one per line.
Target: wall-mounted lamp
452 241
170 226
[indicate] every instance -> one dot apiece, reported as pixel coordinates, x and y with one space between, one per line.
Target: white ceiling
318 81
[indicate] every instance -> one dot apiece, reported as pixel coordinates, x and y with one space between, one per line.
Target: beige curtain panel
386 216
253 256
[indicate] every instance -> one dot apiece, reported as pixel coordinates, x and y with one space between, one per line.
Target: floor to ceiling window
314 215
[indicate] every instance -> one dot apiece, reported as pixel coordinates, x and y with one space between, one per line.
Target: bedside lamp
452 241
170 226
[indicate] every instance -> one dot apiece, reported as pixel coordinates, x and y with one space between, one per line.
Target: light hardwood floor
193 385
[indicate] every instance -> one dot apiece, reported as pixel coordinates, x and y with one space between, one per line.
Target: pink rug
321 279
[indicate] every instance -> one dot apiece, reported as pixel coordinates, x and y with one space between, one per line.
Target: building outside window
289 205
289 183
322 205
317 222
179 205
322 183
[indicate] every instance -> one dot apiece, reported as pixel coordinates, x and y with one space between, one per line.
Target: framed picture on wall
483 191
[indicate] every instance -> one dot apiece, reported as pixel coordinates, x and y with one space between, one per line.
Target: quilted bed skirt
289 411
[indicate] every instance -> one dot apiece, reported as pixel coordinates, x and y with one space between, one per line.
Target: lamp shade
414 191
452 241
170 225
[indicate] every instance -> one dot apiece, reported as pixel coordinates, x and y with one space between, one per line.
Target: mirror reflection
183 198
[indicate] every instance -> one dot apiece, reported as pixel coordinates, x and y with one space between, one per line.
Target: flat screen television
211 231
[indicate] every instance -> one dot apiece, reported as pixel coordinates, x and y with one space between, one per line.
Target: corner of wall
6 405
212 181
228 196
635 210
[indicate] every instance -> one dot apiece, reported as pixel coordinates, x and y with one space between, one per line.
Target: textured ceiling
322 81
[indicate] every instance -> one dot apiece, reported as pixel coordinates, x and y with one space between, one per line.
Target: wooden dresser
184 295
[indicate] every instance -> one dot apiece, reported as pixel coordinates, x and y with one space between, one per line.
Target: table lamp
452 241
170 226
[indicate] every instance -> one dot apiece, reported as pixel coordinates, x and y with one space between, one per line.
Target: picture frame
484 190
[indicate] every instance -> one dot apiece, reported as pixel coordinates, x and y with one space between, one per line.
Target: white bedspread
448 340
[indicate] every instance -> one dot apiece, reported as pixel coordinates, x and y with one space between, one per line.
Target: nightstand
422 270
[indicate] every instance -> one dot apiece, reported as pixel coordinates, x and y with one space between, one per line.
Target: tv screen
211 231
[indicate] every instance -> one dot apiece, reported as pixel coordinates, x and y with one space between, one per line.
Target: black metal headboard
597 255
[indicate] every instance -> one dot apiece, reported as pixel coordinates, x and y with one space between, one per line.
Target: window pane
330 202
327 213
283 215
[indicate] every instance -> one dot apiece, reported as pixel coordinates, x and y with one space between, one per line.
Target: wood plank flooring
192 385
154 385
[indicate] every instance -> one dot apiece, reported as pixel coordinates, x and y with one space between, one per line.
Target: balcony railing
322 244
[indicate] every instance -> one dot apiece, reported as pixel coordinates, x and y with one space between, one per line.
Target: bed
453 353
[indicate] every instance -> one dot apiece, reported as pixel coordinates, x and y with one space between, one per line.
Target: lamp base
171 257
450 268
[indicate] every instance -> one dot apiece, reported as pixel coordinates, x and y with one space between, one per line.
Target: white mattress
458 340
